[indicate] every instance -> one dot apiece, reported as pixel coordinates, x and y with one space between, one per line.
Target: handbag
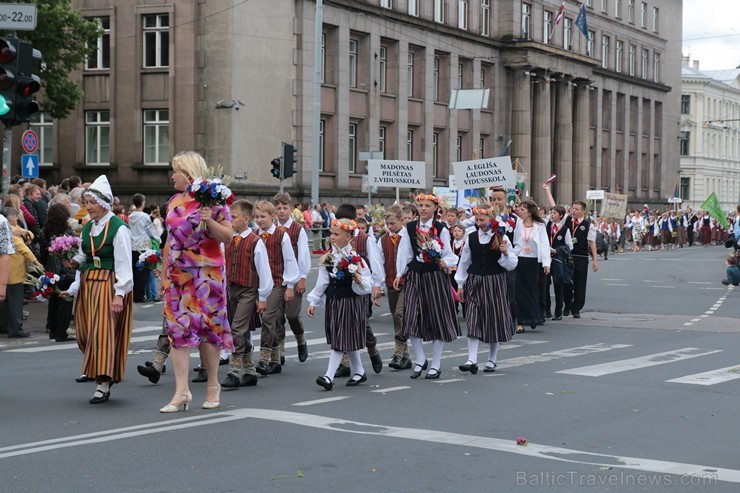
730 241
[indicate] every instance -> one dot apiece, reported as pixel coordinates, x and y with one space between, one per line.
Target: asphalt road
641 393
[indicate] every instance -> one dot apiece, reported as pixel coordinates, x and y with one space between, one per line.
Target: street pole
282 175
7 138
316 102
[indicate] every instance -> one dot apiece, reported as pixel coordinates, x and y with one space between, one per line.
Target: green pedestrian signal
4 108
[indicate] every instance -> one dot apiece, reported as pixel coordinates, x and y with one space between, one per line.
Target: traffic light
27 83
289 160
276 168
8 79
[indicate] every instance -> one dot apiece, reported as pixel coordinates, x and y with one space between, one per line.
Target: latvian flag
561 12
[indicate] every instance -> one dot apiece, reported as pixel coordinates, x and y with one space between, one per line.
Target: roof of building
729 77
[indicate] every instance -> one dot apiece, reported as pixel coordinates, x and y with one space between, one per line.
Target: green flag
714 208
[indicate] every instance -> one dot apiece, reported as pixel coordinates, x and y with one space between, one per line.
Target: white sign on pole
17 16
675 200
595 194
482 173
401 174
447 195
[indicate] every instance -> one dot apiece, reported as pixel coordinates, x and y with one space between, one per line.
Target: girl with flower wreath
481 277
423 255
342 285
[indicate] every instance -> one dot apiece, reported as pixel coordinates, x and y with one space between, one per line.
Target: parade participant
532 250
429 312
293 308
481 275
103 308
193 281
285 274
250 283
666 232
458 233
584 236
693 219
7 248
388 244
342 290
559 234
706 224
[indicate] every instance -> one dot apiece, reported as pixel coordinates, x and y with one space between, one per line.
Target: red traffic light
29 86
7 51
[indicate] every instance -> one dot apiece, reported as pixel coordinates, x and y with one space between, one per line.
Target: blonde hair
191 164
282 198
393 211
265 206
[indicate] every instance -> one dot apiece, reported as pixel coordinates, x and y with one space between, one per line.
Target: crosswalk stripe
563 353
390 389
321 401
641 362
710 377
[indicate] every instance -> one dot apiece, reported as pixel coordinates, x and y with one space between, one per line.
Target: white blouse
532 242
406 252
508 262
317 296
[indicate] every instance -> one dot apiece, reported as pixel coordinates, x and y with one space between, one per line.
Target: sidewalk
35 325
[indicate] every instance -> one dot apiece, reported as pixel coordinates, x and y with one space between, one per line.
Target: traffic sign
30 166
17 17
30 141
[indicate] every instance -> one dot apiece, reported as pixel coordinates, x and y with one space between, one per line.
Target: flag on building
714 208
581 23
561 12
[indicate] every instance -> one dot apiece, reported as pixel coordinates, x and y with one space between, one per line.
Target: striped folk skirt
487 315
102 336
528 311
344 323
429 310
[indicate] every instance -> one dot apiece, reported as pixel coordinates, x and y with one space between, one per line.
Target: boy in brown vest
249 284
285 274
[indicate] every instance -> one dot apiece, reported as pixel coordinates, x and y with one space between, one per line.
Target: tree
64 38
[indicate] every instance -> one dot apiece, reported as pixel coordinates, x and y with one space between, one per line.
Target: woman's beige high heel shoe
174 407
213 404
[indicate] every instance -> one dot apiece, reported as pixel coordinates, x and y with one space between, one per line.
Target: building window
685 190
460 69
685 104
547 27
382 68
156 137
435 154
526 17
604 6
590 44
458 149
439 11
590 3
352 161
414 8
388 4
643 14
567 33
618 59
462 14
322 126
157 40
481 148
656 67
435 79
482 78
631 11
632 59
656 19
100 58
683 140
485 17
410 145
43 125
353 63
604 51
323 56
381 140
618 9
97 137
645 57
410 75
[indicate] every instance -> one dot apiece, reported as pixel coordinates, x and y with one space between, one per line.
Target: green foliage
64 38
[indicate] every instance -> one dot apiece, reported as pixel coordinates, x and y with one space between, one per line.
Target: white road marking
391 389
641 362
449 380
699 282
564 353
609 279
435 437
721 289
709 312
617 284
689 323
321 401
696 320
148 328
710 377
647 280
667 287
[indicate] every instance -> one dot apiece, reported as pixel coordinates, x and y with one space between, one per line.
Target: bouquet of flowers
503 224
430 246
149 260
65 247
376 213
44 282
342 265
211 191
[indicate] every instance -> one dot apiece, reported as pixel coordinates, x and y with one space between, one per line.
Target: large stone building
710 136
232 79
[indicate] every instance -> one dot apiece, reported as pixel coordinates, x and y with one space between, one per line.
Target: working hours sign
401 174
484 173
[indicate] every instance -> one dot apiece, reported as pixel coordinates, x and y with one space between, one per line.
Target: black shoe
405 363
566 312
201 377
471 367
725 282
417 373
261 367
83 378
576 314
149 372
490 369
354 382
432 376
273 368
548 314
302 352
223 361
100 397
248 380
230 382
377 362
395 362
65 339
325 382
342 372
19 335
557 317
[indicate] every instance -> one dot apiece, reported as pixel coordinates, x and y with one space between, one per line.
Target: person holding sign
429 315
532 249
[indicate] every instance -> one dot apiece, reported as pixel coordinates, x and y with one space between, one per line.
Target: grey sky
711 33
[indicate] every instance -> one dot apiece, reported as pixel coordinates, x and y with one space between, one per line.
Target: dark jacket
562 266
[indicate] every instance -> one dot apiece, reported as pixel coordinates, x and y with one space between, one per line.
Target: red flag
561 11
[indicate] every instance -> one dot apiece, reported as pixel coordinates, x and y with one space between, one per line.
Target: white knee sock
223 354
437 347
334 358
473 349
493 352
355 362
418 348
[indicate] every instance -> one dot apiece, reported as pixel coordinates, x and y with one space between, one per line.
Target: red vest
240 267
359 244
274 244
390 253
294 231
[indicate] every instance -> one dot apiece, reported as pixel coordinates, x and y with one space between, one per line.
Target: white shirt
377 270
567 237
262 264
304 255
538 242
142 231
121 256
317 296
406 252
591 235
508 262
291 274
